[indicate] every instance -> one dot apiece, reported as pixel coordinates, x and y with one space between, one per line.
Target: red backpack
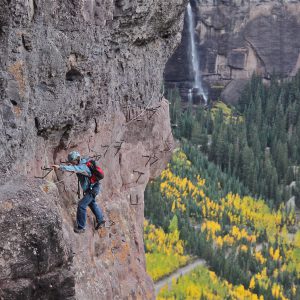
97 172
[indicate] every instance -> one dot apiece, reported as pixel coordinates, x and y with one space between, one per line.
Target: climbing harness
78 189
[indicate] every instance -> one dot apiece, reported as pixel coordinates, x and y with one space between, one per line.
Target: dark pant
89 201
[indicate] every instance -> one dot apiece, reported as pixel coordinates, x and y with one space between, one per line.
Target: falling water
194 56
190 96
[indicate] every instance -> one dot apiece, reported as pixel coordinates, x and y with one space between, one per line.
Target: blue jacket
82 171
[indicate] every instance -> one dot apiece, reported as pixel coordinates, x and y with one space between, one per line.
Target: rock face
85 75
235 39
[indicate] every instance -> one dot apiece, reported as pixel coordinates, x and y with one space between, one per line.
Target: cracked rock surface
85 75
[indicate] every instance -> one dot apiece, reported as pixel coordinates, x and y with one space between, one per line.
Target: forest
224 194
256 141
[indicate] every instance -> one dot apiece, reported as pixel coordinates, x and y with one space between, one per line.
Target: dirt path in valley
186 269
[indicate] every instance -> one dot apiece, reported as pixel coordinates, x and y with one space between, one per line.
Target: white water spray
190 96
194 57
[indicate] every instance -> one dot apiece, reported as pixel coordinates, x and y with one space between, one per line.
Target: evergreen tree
196 134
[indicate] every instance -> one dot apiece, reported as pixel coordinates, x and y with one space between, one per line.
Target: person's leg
96 211
93 204
81 210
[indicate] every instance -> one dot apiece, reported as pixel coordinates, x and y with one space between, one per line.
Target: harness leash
78 189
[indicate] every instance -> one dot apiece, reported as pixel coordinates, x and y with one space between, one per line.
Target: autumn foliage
165 252
246 243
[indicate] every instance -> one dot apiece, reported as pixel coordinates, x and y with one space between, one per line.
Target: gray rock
237 38
80 75
237 58
233 90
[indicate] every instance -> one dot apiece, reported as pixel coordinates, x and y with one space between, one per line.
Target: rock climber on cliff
88 175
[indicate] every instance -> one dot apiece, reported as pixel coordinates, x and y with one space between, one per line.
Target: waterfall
197 85
190 96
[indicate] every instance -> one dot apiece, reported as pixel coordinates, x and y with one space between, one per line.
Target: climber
90 187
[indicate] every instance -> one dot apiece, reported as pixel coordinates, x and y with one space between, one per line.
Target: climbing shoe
79 230
100 224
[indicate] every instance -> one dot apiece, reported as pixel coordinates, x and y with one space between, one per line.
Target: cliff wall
235 39
85 75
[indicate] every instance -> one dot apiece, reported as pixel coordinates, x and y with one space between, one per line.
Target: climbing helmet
74 155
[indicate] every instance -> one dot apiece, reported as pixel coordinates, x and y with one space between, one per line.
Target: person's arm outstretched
80 169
